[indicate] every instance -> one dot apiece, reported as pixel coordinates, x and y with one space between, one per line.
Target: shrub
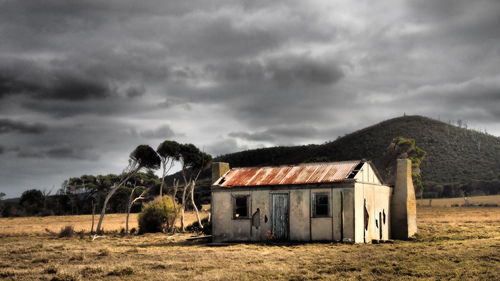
67 231
158 215
195 227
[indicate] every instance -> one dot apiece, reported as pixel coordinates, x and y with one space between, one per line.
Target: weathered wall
338 226
300 215
321 227
337 214
260 200
348 221
367 175
377 200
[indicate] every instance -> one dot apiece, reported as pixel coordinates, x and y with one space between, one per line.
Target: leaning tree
143 157
169 152
193 162
402 148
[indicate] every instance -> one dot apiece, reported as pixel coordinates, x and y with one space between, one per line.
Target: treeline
80 195
473 188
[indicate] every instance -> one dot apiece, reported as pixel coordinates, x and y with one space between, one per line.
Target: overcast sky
83 82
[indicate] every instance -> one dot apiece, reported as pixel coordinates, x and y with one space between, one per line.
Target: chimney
218 170
403 203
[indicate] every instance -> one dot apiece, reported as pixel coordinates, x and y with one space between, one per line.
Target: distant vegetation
459 161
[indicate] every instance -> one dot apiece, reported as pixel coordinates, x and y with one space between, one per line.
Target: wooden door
279 219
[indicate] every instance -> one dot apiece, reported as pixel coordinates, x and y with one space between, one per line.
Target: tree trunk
103 210
93 217
162 179
194 205
176 188
106 200
129 207
183 207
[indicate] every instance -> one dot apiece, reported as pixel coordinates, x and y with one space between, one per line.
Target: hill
455 156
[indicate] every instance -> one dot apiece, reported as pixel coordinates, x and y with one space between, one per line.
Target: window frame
314 204
248 216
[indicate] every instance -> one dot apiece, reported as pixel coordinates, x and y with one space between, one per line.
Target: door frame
287 196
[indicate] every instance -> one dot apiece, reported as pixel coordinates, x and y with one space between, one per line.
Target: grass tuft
65 277
104 252
91 271
40 260
6 273
52 269
124 271
66 232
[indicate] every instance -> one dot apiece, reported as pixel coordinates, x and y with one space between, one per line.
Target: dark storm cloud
283 70
12 126
270 90
289 70
163 131
28 78
134 92
63 152
2 149
477 99
459 21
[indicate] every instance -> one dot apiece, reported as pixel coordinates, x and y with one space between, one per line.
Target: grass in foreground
453 244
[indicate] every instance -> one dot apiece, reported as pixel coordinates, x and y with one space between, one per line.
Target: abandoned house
339 201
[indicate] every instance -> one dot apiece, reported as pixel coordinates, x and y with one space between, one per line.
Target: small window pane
241 207
321 208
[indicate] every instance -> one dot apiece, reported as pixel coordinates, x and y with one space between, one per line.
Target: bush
67 231
195 227
158 215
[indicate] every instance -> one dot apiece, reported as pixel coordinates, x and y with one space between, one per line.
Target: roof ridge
301 164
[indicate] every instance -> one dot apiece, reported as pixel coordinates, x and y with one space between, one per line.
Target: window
321 205
240 207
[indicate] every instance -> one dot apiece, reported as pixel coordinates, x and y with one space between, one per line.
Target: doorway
279 217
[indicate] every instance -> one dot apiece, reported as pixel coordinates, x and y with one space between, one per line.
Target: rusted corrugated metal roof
287 175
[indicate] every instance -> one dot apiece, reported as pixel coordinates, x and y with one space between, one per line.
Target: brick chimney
218 170
403 203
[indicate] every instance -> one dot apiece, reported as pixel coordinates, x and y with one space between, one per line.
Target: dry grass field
448 202
453 244
44 225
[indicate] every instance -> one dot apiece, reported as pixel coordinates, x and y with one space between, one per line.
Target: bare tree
46 194
169 152
193 162
142 157
175 188
132 200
